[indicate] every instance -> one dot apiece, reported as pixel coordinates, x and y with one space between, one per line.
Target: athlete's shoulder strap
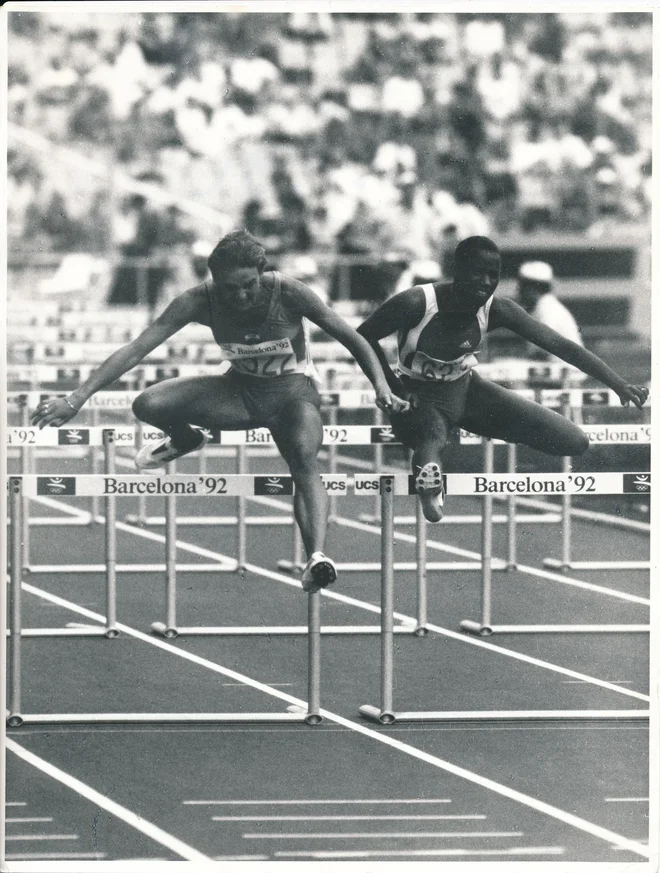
429 294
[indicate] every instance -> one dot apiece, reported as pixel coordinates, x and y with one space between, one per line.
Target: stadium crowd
367 134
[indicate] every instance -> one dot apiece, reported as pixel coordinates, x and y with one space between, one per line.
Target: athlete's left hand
638 394
389 402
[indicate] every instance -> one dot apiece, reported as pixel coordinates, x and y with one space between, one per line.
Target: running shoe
155 455
319 573
431 492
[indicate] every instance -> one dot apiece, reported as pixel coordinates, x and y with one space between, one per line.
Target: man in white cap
537 298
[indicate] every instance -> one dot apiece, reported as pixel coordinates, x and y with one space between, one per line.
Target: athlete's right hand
637 393
54 412
389 402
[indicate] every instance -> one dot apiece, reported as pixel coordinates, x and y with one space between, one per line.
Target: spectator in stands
251 75
54 92
535 292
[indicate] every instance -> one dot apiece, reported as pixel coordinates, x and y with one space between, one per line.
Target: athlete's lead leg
495 412
298 433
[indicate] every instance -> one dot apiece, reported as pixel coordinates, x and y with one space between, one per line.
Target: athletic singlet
278 346
420 346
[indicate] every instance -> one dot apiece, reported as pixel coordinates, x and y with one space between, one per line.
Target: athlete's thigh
298 431
496 412
422 423
213 402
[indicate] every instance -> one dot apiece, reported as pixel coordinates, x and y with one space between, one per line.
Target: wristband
68 403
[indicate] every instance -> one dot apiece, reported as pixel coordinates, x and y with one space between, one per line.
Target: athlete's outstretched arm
507 313
401 311
308 304
180 312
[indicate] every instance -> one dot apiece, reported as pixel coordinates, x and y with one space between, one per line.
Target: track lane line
526 800
130 818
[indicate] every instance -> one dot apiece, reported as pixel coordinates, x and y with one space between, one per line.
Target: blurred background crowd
379 135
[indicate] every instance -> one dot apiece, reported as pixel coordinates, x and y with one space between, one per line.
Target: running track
347 789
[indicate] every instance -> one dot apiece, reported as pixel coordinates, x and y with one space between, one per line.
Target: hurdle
107 437
482 486
112 486
572 483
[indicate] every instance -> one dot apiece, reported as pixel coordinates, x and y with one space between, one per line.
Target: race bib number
432 370
271 358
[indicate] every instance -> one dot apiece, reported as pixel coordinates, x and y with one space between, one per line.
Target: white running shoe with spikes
319 572
155 455
431 492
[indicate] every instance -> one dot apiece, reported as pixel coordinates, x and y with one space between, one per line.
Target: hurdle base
228 631
15 720
382 716
311 718
290 566
36 569
91 631
215 520
556 564
475 627
375 714
410 520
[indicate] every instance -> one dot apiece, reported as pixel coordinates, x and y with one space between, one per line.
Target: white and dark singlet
436 356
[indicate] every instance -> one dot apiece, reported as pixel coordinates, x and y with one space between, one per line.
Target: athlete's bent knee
148 408
576 443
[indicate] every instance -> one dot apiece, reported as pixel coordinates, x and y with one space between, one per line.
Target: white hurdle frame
16 718
385 713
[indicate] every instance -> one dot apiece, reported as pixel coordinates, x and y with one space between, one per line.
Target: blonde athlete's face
241 289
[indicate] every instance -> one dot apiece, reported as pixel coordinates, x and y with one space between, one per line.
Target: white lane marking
426 853
271 684
26 820
130 818
348 817
464 638
475 778
613 681
305 802
15 803
379 835
241 858
626 800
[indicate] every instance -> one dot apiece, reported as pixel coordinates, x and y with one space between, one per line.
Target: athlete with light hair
258 318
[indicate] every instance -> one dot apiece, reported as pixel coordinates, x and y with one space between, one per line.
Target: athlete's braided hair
237 249
470 246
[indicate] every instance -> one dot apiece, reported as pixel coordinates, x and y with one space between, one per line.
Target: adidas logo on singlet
466 345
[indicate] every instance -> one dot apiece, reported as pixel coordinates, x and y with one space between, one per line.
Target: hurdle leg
566 528
314 658
16 503
385 715
420 560
95 506
241 522
27 466
332 464
110 540
512 505
484 627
